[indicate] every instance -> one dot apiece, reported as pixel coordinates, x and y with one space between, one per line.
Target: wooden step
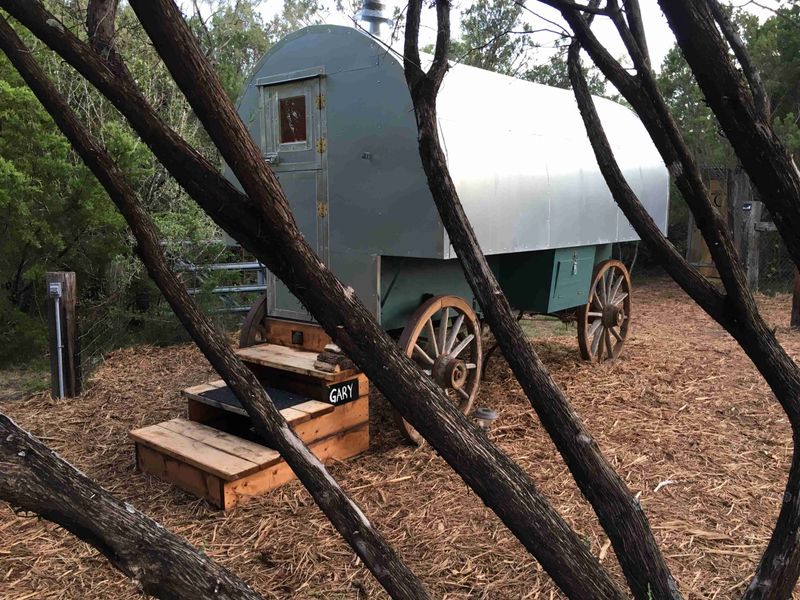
295 408
228 470
296 334
284 358
310 420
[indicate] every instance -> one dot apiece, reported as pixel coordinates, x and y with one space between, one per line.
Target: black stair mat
225 399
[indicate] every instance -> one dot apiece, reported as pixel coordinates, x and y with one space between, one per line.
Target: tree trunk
35 479
745 123
780 564
619 513
348 519
264 226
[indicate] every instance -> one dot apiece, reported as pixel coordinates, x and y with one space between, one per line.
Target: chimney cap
374 14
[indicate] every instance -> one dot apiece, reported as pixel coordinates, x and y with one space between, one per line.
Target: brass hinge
322 209
322 145
320 103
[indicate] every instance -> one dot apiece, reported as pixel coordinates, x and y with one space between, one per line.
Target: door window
291 122
292 117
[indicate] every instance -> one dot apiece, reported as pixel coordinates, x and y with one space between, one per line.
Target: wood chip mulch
683 416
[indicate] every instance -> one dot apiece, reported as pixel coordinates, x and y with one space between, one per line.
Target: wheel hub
613 316
449 372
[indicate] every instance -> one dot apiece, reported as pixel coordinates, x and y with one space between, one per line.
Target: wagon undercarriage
444 335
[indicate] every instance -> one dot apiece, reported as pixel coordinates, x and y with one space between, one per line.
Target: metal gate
293 141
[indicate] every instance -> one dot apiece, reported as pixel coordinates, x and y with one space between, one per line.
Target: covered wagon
331 111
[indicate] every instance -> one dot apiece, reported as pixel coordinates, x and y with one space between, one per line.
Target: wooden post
69 334
750 246
740 194
795 320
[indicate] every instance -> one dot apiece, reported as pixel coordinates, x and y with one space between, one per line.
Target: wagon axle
613 316
449 372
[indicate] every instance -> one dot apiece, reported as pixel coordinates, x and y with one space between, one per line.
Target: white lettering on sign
343 392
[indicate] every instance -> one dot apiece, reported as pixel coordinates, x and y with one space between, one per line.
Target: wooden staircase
216 454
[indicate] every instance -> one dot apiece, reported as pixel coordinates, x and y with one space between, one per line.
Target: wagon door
293 142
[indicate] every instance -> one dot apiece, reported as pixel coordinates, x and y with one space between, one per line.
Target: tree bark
348 519
619 513
100 23
265 227
33 478
780 564
745 123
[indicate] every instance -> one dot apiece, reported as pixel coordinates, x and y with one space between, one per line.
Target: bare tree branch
590 8
35 479
743 56
634 14
267 228
637 551
100 23
439 67
348 519
778 570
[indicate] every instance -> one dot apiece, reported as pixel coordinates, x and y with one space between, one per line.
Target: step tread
288 359
196 452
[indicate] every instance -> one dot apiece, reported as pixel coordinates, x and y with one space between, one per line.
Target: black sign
341 393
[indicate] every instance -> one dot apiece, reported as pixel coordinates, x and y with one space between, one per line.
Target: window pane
293 119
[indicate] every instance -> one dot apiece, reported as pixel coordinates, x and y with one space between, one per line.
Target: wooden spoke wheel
254 329
604 321
443 337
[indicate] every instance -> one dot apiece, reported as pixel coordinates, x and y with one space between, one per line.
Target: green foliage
55 216
554 73
493 37
695 120
22 337
774 47
53 212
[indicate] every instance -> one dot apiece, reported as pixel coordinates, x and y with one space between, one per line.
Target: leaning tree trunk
741 111
619 512
780 564
498 481
369 545
33 478
262 223
741 107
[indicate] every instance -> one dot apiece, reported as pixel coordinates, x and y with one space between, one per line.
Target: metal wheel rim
435 349
253 330
600 336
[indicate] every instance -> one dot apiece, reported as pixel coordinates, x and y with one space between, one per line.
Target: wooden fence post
69 334
752 219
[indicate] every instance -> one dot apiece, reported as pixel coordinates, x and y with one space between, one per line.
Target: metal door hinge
320 102
322 209
322 145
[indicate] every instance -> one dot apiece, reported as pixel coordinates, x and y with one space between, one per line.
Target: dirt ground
683 416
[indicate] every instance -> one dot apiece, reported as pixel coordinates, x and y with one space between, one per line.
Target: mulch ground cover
683 416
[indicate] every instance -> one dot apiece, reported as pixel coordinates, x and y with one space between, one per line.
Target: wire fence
133 311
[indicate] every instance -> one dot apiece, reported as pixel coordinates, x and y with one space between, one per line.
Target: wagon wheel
253 329
443 337
604 321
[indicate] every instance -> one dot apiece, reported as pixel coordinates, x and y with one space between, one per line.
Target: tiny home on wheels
331 111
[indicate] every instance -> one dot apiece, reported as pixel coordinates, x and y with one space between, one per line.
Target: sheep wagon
331 111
